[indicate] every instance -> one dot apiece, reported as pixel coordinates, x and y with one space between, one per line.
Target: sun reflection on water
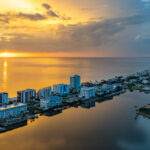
4 83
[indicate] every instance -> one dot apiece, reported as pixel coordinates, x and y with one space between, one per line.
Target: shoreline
105 90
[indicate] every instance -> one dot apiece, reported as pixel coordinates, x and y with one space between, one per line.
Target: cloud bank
117 36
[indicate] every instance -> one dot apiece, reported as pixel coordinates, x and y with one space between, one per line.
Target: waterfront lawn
144 111
132 87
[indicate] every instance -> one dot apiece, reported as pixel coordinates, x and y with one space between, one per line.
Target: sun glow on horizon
50 54
5 54
12 54
23 54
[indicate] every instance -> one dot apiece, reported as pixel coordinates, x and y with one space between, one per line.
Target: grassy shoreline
144 111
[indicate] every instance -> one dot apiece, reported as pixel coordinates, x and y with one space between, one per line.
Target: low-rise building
12 110
3 99
61 89
44 104
117 86
26 96
146 88
145 81
106 89
87 92
12 100
51 102
44 93
113 80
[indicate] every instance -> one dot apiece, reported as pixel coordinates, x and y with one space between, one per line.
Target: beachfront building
44 93
61 89
112 81
26 96
12 110
44 104
117 86
75 82
3 99
87 92
145 82
51 102
106 89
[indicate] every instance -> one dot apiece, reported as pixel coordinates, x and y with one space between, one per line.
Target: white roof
12 106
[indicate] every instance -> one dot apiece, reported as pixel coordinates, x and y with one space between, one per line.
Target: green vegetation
132 87
144 111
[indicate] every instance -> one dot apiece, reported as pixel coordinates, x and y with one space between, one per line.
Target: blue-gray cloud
77 37
46 6
35 16
50 13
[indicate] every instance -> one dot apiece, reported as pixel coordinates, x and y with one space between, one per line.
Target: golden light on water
8 54
17 54
4 85
14 54
5 64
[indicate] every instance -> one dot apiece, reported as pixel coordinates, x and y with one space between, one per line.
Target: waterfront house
146 88
145 82
117 86
112 81
106 89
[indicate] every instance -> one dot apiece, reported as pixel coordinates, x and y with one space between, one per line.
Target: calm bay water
21 73
111 125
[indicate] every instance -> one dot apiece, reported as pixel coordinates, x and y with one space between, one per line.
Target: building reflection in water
4 78
88 104
15 126
52 113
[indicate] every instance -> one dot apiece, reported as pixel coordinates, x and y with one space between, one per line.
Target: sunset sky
75 28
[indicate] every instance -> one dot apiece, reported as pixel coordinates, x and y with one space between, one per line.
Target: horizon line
76 57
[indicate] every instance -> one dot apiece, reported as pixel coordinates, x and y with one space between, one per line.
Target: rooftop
12 106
